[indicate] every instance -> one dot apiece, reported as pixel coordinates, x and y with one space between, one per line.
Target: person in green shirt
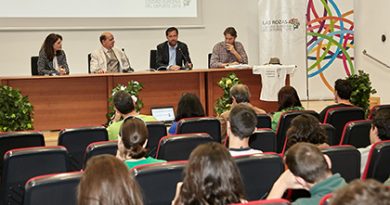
288 100
307 169
124 107
132 142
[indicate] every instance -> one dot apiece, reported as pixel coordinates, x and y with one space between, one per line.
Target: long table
82 100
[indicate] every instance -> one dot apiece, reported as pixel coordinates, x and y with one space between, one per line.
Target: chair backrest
34 65
264 121
259 172
209 125
179 147
14 140
378 166
345 161
77 140
264 140
24 163
158 181
331 133
209 59
89 62
98 148
281 130
325 199
339 116
59 189
156 131
266 202
376 108
153 59
357 133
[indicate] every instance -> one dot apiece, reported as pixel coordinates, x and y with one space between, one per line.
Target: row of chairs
158 181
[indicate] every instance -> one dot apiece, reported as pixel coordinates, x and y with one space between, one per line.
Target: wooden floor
51 137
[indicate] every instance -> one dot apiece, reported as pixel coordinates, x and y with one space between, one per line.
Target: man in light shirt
109 59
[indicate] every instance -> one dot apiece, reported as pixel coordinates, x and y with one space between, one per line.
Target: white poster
330 43
282 34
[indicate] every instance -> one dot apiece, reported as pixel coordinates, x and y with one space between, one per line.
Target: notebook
164 114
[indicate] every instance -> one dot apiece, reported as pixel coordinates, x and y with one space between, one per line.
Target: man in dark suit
173 54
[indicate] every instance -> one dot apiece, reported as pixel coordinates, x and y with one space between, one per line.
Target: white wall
18 46
372 20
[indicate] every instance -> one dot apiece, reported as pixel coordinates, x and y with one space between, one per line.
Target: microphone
129 69
187 65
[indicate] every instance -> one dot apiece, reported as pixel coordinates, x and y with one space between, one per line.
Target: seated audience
342 93
173 54
239 94
380 130
360 192
228 52
52 59
109 59
306 128
288 100
106 181
307 169
210 177
189 106
132 142
124 107
241 125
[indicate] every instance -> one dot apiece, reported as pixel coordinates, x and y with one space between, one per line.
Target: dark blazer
162 58
45 66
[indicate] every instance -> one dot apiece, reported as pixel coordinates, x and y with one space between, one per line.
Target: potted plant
361 90
133 87
15 110
223 103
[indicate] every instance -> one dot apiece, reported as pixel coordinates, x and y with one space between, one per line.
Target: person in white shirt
109 59
380 130
241 125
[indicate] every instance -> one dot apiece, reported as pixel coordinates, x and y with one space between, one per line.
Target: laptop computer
163 114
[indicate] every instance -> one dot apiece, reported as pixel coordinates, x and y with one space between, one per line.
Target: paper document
239 66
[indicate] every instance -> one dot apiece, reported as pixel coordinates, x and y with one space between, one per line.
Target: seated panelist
173 54
228 52
109 59
52 59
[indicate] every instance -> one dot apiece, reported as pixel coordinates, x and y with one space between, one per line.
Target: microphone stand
186 63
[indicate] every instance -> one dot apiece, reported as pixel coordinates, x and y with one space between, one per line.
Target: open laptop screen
164 114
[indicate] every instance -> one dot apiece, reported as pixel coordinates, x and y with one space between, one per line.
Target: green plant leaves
15 110
361 90
223 103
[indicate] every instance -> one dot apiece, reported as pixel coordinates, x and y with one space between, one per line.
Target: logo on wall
280 25
330 41
295 23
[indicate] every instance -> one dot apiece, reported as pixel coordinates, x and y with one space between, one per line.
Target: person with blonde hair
106 181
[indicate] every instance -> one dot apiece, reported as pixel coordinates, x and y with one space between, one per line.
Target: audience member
360 192
239 94
307 169
288 100
132 142
380 130
306 128
189 106
173 54
241 125
124 107
109 59
52 59
106 181
342 93
211 177
228 52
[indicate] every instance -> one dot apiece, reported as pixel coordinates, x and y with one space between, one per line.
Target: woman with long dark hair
210 177
52 59
288 100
